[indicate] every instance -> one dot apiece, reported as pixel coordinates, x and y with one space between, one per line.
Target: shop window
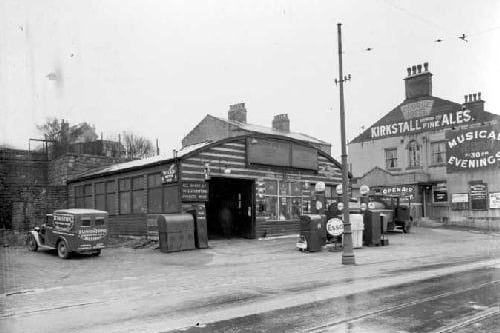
79 196
414 154
171 199
391 158
155 193
438 152
124 196
137 194
281 201
87 200
100 196
110 197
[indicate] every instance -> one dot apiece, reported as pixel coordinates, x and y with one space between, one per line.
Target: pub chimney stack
418 83
474 102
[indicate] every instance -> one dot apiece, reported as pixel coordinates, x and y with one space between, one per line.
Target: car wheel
31 243
96 253
62 249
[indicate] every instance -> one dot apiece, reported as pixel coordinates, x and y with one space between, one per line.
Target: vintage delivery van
71 230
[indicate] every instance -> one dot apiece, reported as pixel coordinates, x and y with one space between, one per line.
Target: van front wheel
62 249
31 243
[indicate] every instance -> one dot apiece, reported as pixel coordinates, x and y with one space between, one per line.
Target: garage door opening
230 208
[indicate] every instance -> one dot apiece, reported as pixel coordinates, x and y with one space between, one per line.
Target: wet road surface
464 302
430 280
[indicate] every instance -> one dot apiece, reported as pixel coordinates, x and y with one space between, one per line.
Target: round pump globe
364 189
319 187
339 189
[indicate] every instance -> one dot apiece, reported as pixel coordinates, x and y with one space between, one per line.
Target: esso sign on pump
335 227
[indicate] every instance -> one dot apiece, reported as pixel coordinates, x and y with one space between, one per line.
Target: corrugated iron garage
251 185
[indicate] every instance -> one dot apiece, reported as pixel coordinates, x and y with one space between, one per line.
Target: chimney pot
426 66
479 95
475 97
470 98
281 122
237 112
418 84
465 97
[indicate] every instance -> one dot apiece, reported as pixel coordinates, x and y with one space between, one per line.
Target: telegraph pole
348 252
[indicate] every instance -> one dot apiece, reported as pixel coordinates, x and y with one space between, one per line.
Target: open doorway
230 208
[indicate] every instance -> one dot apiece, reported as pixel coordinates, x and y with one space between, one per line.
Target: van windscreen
99 221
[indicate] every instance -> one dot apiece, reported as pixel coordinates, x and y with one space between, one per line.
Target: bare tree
62 134
137 146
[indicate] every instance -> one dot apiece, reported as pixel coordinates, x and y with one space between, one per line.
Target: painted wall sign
169 175
194 191
473 149
417 109
281 153
478 195
421 124
405 192
495 200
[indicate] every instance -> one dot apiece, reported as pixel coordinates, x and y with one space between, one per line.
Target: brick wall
25 206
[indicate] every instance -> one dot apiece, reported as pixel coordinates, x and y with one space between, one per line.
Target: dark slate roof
439 107
272 131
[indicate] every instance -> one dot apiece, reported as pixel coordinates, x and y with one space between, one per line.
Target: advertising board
473 149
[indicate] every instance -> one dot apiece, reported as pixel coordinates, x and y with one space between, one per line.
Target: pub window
110 197
79 201
100 196
87 200
438 152
155 193
391 158
124 196
137 194
414 154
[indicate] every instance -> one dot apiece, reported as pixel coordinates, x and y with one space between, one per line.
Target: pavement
144 290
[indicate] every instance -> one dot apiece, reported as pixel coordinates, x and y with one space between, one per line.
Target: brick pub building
441 156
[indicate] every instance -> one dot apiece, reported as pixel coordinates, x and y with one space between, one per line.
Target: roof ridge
278 132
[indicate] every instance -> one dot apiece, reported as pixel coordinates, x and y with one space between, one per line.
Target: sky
157 67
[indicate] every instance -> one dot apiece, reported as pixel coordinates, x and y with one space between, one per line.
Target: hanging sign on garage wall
194 191
473 149
169 175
